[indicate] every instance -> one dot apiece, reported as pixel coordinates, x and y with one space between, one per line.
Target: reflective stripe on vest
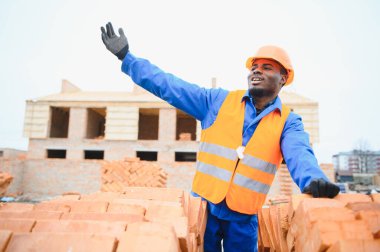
259 164
214 171
218 150
250 184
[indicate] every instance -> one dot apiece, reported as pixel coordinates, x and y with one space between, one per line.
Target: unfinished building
75 124
102 125
72 132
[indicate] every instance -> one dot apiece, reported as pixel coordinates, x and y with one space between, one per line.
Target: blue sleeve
298 154
188 97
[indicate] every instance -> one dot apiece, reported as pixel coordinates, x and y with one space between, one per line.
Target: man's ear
284 78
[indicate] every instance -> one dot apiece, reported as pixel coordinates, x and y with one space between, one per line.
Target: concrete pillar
77 123
167 125
166 133
166 156
77 131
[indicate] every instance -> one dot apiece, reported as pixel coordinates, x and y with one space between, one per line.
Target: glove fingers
104 34
323 188
104 38
111 29
333 190
121 32
108 30
314 187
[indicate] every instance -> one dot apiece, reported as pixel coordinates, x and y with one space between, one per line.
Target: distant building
357 161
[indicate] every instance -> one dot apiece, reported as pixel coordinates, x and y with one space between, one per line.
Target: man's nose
257 71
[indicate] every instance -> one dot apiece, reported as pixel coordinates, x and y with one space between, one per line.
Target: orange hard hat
273 53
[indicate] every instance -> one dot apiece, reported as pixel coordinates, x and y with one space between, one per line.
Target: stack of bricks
5 181
138 219
285 181
117 175
349 222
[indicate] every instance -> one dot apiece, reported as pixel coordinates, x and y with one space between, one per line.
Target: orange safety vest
244 182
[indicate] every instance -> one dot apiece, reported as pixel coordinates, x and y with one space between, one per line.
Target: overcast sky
334 47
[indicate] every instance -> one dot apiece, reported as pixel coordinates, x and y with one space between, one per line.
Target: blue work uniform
238 231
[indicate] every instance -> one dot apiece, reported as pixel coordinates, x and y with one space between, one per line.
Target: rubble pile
5 181
117 175
138 219
349 222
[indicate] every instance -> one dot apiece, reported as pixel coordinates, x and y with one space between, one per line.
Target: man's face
265 79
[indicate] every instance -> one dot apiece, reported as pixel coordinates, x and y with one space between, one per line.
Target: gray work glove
320 188
116 45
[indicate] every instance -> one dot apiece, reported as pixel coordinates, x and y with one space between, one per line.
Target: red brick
311 203
145 202
61 242
67 197
371 245
102 196
55 206
376 197
152 193
126 209
73 206
181 227
328 214
359 206
17 225
35 215
81 226
20 207
356 229
194 214
265 214
322 235
273 221
355 246
147 237
163 211
90 206
278 216
352 197
294 202
193 245
347 246
5 236
372 218
126 218
202 223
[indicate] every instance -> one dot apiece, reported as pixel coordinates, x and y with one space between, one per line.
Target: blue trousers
236 236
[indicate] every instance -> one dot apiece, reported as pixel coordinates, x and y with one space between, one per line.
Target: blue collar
276 102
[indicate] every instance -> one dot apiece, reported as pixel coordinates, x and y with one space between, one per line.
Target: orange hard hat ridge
273 53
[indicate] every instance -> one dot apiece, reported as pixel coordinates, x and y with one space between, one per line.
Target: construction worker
245 136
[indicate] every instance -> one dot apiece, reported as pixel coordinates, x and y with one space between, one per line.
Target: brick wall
51 177
15 167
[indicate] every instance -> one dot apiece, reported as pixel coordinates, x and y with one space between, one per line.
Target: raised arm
301 161
188 97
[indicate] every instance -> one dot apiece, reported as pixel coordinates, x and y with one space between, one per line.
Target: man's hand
116 45
320 188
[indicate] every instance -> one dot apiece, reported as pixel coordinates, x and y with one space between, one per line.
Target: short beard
259 93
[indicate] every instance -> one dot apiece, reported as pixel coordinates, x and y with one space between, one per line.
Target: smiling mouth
256 80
